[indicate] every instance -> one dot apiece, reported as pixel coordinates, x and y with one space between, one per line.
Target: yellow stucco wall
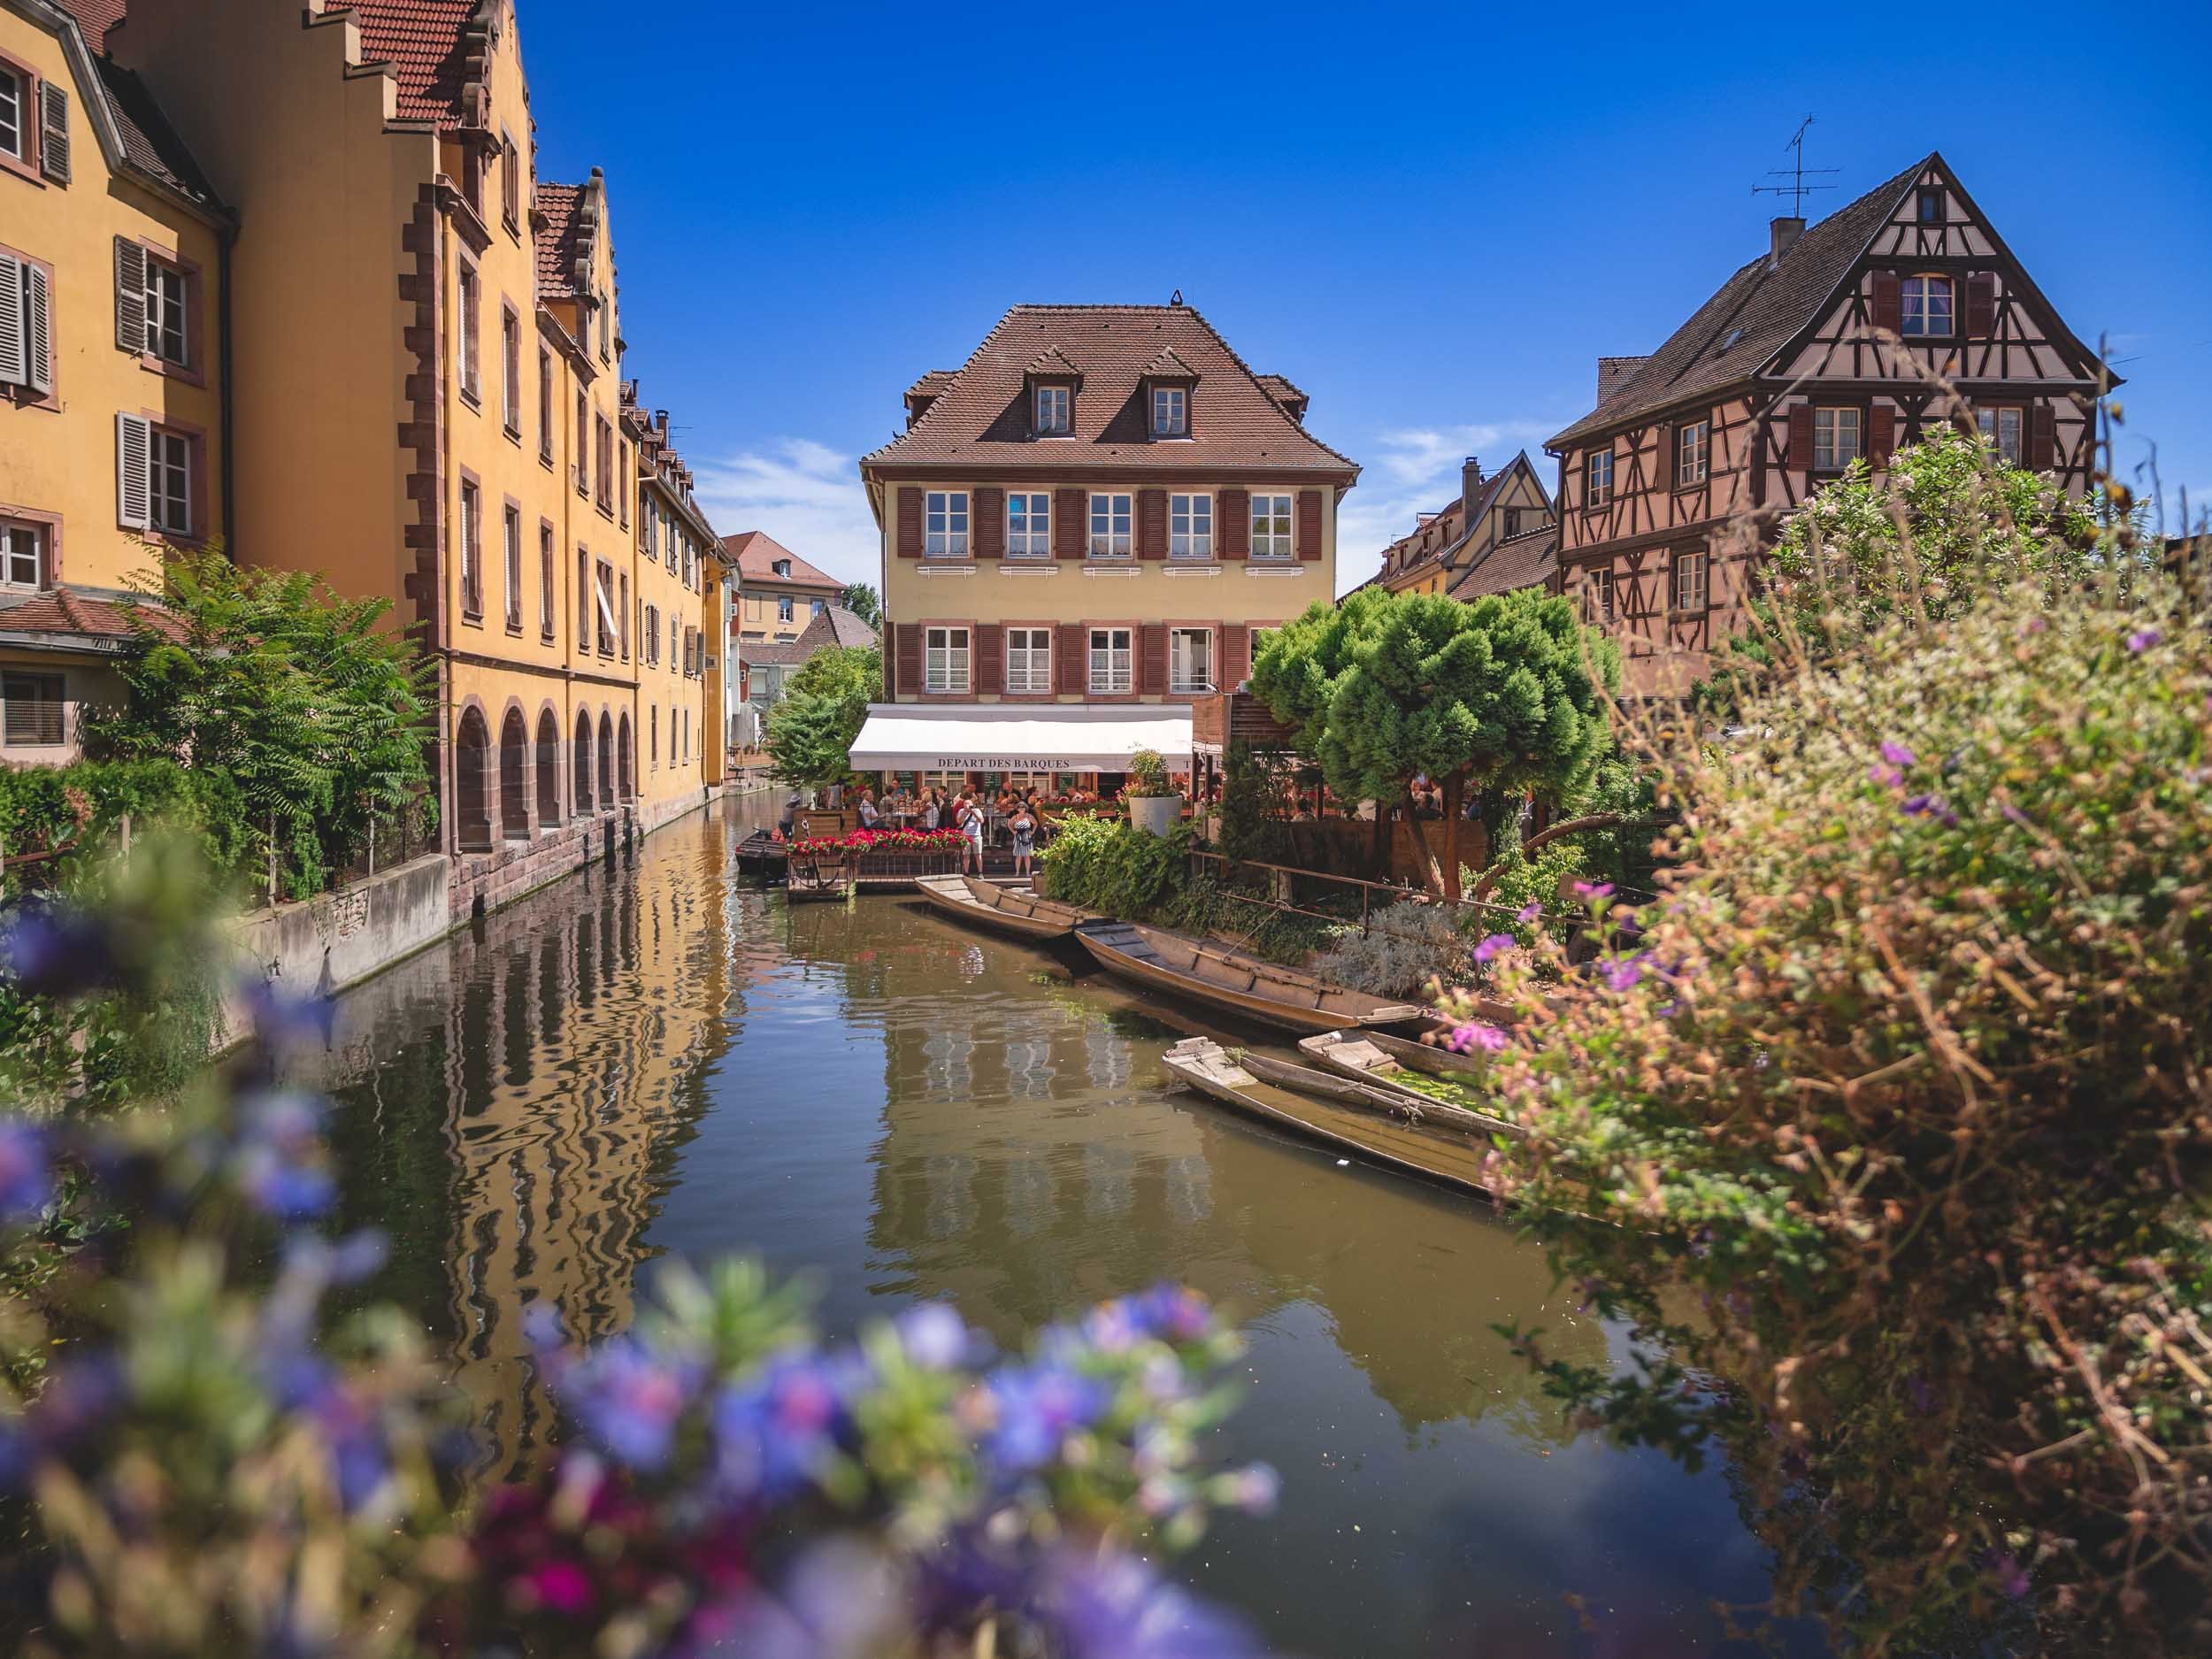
58 461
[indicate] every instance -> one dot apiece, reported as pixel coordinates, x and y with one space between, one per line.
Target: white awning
1018 737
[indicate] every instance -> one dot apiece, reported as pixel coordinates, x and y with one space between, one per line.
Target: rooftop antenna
1797 189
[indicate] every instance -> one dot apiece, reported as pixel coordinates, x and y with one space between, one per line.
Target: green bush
1102 865
1895 1118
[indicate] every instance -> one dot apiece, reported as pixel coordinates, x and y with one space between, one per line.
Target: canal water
652 1061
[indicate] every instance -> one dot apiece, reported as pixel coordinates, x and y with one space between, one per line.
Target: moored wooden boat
761 857
1432 1057
1438 1155
1000 908
1359 1061
1223 979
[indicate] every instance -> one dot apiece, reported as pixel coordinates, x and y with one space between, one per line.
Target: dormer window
782 567
1170 412
1052 412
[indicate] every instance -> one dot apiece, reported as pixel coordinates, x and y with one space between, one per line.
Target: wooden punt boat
1222 979
999 908
1361 1062
1432 1057
761 857
1437 1155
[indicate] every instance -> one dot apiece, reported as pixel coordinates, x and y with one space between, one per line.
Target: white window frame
945 523
471 529
948 660
1686 581
169 504
1181 683
21 540
21 98
1029 665
168 298
510 532
785 606
1170 412
1280 539
471 305
1028 523
1190 526
1111 668
1916 314
1991 423
1597 488
1118 511
1054 412
1838 437
1692 453
58 684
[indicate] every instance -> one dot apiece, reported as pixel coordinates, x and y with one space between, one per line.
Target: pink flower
1494 945
1897 753
2142 640
1528 912
1476 1033
1594 889
562 1586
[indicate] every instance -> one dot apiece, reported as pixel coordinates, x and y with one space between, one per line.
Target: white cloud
804 494
1417 471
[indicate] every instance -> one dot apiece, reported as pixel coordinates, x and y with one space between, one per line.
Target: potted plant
1154 805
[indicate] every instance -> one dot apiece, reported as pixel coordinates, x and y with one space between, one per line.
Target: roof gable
422 41
756 554
1757 310
978 415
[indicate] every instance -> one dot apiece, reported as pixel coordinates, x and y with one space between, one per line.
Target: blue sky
1433 220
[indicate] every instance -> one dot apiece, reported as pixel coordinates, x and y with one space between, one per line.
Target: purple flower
933 1337
1897 753
280 1167
1174 1313
1929 806
1476 1033
1528 912
1254 1489
779 1432
2142 640
1036 1408
279 1016
1887 777
26 1176
1623 971
52 949
1118 1607
1494 945
628 1399
1586 890
2012 1577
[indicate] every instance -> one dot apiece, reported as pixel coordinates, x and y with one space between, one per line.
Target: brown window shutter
130 297
1881 435
1152 524
1074 651
1889 302
1236 639
2042 439
53 132
1981 305
909 522
1152 675
990 656
987 527
1802 437
1232 524
1071 526
1309 537
909 656
1663 469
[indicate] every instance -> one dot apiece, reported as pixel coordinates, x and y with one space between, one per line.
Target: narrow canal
652 1061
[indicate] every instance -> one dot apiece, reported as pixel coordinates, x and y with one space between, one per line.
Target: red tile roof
1525 560
95 18
979 418
71 610
150 143
560 241
755 553
421 40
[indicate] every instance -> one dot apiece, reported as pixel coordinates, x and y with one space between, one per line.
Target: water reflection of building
567 1037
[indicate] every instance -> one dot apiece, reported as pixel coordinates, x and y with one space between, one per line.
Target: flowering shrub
1890 1122
883 841
216 1464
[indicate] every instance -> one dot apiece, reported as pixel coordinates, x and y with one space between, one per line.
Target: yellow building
1501 534
427 390
1083 526
679 603
112 247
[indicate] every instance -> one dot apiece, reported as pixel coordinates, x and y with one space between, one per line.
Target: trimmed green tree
811 727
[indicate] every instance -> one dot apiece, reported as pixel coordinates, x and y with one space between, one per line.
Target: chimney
1470 486
1785 231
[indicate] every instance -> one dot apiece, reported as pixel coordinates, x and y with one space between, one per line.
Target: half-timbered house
1445 546
1841 341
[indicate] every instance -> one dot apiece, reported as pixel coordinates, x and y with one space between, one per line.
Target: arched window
580 764
606 759
624 768
514 776
548 769
471 818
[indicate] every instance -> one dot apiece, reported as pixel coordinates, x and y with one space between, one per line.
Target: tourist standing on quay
1024 825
